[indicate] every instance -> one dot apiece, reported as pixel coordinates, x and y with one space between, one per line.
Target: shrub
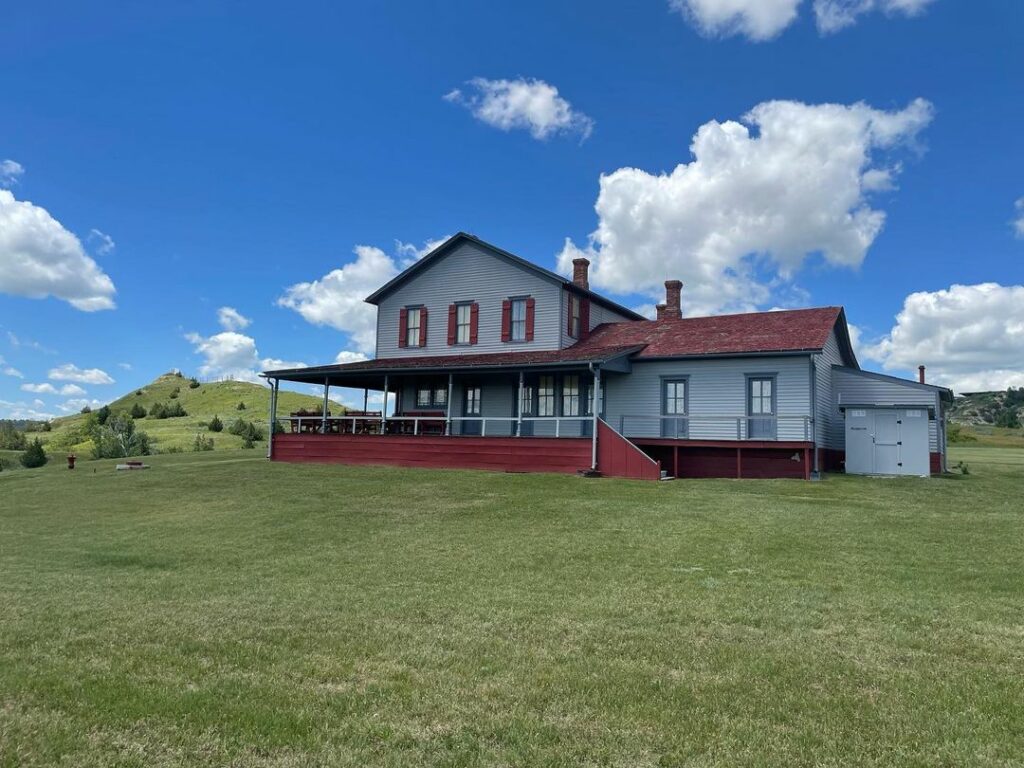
216 425
174 393
955 433
103 414
246 430
138 393
138 412
161 411
11 439
202 443
118 438
247 442
34 455
87 409
240 407
193 383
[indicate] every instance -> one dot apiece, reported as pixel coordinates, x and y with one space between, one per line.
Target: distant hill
201 403
1003 409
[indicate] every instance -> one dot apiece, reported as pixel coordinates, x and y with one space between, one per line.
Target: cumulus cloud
971 337
101 242
10 172
9 370
757 200
232 355
834 15
40 258
231 319
68 390
531 105
761 20
347 356
1018 222
336 299
71 372
77 404
21 410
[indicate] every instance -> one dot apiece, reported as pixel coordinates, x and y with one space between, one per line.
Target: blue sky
162 161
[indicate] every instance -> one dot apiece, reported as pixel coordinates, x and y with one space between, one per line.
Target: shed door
860 447
914 442
887 443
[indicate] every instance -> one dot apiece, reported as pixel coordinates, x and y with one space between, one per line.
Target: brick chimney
659 310
673 309
580 272
920 373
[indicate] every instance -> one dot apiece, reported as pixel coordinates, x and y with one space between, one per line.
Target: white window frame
413 321
517 326
463 323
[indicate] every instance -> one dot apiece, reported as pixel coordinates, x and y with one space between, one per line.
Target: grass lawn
217 609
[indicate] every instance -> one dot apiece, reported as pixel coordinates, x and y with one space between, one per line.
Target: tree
10 438
34 455
103 414
86 409
216 425
202 443
119 438
193 383
240 407
138 412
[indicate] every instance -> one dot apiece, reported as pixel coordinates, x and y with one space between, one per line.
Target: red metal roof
794 330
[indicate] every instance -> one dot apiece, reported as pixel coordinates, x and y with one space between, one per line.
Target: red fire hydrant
71 461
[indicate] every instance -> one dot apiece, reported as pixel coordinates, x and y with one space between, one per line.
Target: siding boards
470 273
829 423
717 388
853 389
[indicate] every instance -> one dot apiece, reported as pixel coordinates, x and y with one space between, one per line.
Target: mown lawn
217 609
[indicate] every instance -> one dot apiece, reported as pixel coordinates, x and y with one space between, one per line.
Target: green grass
220 398
217 609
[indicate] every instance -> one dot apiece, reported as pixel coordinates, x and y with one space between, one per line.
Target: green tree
11 439
215 425
34 455
103 414
119 438
138 412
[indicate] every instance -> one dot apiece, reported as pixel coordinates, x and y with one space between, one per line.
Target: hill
991 418
201 404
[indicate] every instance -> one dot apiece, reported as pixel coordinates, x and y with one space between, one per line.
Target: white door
860 446
914 449
887 443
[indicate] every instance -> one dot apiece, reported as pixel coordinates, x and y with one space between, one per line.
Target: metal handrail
741 422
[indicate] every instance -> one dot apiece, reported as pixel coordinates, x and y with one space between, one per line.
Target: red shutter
453 322
403 324
474 321
529 318
584 318
506 320
423 327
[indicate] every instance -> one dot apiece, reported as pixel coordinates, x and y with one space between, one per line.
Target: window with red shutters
506 320
403 324
423 326
474 322
530 311
453 310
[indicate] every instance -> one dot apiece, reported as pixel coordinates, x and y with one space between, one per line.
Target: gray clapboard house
494 362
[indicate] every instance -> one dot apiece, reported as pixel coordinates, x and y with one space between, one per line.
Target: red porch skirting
501 454
728 458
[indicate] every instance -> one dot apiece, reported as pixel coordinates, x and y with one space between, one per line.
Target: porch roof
370 372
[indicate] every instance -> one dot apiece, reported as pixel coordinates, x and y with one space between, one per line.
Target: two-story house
492 362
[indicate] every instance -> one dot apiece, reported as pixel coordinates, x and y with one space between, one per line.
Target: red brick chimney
659 310
580 270
673 309
920 373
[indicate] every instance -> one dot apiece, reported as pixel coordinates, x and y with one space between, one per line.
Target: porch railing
468 426
710 427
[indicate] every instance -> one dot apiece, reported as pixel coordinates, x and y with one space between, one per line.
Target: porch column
384 408
273 418
323 422
366 399
519 407
448 410
596 397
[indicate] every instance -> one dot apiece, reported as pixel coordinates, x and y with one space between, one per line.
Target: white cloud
756 19
970 337
71 372
336 299
347 356
761 20
39 389
531 105
77 404
125 366
833 15
10 171
8 370
757 200
39 258
1018 222
231 319
232 355
22 410
18 343
70 390
102 242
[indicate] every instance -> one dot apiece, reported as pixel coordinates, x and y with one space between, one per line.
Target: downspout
814 410
596 398
273 419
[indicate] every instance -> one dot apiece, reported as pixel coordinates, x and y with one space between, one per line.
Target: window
441 396
675 397
546 396
472 405
431 394
574 316
570 395
518 327
761 402
463 321
412 326
526 400
423 397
